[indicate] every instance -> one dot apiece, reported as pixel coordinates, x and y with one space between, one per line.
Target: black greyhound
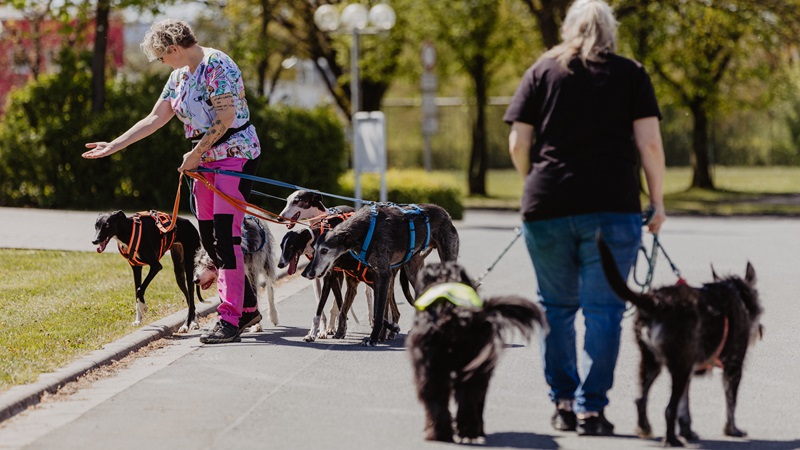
387 236
142 242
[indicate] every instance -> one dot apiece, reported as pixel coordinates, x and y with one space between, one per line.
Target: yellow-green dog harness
458 294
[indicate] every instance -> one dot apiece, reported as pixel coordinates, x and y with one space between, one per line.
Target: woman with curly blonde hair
206 92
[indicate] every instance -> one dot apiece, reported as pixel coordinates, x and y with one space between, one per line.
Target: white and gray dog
259 261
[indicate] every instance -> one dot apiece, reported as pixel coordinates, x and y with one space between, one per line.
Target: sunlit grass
58 306
740 190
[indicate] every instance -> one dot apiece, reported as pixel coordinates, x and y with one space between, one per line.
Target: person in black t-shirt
579 117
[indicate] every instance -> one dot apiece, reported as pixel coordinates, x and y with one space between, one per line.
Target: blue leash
277 183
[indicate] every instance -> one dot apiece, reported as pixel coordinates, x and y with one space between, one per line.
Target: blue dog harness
409 213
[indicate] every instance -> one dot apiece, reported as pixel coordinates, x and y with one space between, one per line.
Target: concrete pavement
274 391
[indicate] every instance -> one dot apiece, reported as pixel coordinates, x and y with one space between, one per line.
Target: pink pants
231 275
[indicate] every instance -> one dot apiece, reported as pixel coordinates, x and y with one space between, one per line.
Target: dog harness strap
458 294
362 257
261 233
414 210
133 245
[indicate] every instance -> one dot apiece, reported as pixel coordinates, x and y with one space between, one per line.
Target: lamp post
356 20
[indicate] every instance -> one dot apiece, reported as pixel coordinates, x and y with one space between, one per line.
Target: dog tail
404 284
504 314
617 282
515 312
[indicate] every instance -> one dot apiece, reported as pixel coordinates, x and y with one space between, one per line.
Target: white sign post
429 85
370 149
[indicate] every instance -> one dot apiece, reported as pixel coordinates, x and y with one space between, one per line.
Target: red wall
17 50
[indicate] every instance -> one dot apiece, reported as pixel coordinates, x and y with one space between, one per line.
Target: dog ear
714 274
118 215
750 274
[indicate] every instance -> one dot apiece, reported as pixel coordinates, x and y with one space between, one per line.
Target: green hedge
409 186
47 123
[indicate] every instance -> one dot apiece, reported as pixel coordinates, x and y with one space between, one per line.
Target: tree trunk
701 177
99 56
478 159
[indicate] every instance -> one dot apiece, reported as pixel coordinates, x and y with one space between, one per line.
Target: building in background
27 50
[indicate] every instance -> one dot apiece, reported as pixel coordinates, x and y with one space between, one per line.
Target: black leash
518 233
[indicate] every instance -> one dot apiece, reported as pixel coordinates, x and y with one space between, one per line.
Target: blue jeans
570 276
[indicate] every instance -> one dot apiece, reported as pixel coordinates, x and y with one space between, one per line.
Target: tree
708 53
480 36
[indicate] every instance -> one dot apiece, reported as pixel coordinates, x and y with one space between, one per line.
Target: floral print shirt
189 94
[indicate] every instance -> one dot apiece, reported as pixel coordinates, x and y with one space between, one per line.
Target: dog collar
458 294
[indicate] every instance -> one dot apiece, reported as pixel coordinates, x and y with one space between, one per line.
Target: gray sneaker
221 333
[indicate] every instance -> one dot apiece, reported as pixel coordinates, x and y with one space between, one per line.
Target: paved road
274 391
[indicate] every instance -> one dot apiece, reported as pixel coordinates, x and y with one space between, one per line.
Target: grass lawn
741 190
58 306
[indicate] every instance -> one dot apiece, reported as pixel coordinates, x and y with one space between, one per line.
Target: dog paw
136 323
339 335
310 338
183 329
644 434
322 335
734 432
690 436
368 342
672 442
257 328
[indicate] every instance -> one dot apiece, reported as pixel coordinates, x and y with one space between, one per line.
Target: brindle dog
390 244
688 330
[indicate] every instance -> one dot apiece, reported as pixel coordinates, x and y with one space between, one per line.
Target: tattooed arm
226 114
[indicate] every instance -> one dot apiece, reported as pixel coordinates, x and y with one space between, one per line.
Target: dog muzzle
458 294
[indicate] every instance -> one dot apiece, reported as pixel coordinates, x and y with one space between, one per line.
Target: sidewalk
273 390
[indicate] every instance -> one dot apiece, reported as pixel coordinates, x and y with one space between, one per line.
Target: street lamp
356 20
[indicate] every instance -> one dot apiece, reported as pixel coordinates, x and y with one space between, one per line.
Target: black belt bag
230 132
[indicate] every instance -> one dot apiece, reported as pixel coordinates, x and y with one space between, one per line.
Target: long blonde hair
588 31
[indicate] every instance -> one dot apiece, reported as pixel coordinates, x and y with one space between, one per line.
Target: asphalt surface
273 390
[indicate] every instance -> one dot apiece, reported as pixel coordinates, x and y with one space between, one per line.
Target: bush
409 186
49 120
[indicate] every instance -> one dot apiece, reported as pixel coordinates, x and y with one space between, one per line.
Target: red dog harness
164 223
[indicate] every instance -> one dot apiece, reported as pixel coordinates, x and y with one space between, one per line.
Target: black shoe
595 426
221 333
248 319
564 420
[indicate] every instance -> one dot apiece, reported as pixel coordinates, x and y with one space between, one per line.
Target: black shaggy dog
689 330
454 346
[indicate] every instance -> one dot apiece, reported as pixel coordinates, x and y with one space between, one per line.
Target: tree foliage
709 53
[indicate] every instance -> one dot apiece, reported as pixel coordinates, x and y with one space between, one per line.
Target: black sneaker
248 319
221 333
564 420
595 426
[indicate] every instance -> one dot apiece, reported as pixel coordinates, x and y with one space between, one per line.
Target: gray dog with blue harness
385 236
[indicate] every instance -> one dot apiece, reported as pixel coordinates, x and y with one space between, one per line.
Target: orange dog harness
164 223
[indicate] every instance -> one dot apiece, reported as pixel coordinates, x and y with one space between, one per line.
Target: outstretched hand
99 150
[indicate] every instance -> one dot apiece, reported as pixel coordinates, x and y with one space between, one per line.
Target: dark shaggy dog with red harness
455 344
143 239
689 330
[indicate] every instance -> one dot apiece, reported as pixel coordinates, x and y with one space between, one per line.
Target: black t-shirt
584 157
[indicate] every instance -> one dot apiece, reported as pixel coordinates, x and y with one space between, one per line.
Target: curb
20 398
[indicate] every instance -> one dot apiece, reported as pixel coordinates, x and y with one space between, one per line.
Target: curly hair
164 33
